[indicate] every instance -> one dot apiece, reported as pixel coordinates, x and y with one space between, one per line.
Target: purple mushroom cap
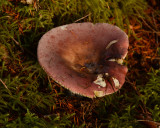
85 58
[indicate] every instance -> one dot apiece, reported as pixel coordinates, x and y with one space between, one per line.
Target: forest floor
29 98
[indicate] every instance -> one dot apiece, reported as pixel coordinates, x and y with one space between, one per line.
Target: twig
36 5
23 49
146 23
5 86
156 35
50 84
82 18
138 93
154 21
154 10
149 31
17 43
157 123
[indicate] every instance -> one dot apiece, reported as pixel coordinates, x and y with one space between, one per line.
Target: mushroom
85 58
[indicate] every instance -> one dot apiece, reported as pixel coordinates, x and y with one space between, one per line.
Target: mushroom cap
81 57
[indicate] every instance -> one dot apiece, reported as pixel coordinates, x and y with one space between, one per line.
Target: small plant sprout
85 58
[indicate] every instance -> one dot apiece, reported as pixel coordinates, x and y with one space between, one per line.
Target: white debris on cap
120 61
112 42
116 82
64 27
106 74
124 56
98 93
113 60
100 80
